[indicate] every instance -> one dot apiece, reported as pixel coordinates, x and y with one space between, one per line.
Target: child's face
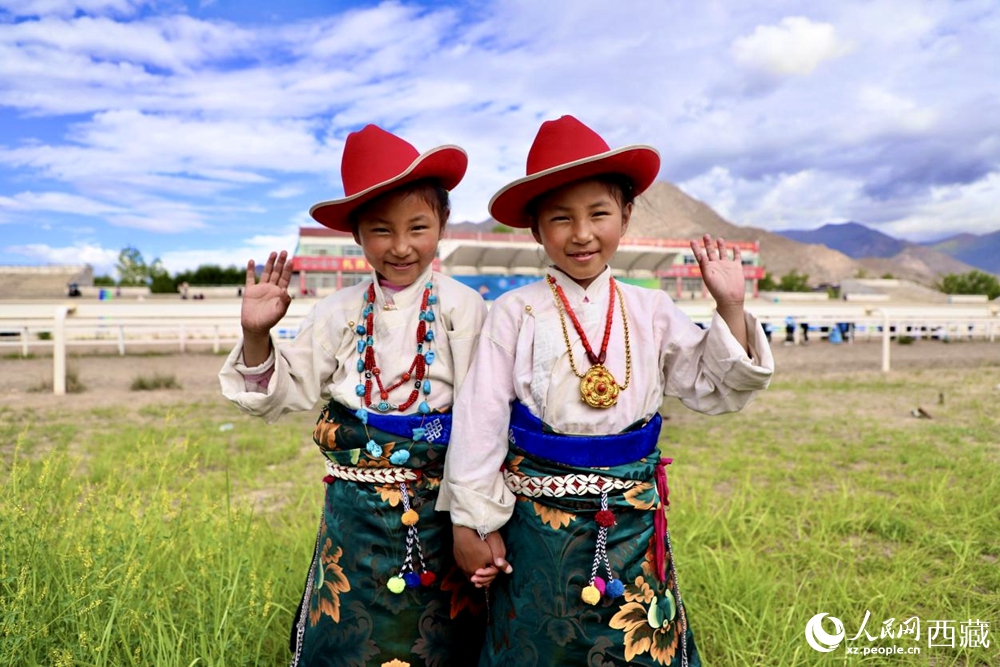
399 235
580 226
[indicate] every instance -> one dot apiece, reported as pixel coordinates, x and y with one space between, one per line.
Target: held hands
722 276
480 559
266 302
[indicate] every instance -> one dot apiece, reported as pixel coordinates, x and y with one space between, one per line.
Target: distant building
326 260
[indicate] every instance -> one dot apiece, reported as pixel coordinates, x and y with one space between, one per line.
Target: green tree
213 274
767 283
793 281
104 281
160 281
131 267
973 282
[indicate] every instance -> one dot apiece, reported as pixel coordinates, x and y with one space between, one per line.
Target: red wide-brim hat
564 151
376 161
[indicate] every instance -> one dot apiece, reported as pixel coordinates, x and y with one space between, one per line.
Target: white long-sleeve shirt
522 356
322 360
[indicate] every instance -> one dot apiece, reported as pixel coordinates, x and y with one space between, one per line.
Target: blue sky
202 132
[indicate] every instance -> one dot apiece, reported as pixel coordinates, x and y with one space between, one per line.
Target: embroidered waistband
557 486
526 432
390 475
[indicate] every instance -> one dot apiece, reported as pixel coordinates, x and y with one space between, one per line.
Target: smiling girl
387 356
562 400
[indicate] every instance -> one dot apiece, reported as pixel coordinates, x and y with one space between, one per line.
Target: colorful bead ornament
408 576
368 368
598 587
399 457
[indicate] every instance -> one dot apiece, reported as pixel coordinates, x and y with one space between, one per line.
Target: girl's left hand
723 276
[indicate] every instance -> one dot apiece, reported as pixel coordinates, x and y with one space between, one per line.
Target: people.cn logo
819 638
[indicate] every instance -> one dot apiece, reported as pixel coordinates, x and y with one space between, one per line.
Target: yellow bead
396 585
410 517
591 595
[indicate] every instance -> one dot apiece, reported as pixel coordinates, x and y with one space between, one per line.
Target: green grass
827 496
151 537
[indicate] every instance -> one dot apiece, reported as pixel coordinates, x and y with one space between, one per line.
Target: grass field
149 536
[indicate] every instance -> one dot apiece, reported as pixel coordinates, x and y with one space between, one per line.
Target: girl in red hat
389 355
562 400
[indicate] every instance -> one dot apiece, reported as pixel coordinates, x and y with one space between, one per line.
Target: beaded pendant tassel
408 576
612 587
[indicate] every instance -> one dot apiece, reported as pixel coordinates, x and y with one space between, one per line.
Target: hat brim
641 164
446 164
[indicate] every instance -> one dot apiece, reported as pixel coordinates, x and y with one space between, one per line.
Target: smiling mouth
400 265
582 256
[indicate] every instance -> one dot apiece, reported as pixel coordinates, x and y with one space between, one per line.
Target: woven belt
391 475
565 485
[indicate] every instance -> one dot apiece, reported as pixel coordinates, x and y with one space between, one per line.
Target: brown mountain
666 211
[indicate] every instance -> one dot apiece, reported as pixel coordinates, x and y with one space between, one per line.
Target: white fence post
121 340
183 337
24 341
59 352
885 342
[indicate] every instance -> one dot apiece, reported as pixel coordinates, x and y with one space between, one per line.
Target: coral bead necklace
598 387
368 366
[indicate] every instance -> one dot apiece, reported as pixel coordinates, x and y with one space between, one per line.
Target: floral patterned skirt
380 592
538 614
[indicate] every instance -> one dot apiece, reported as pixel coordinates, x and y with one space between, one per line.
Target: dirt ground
107 378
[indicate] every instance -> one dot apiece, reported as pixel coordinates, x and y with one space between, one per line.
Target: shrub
157 381
73 384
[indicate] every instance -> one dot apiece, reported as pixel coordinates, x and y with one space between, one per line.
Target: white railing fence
185 327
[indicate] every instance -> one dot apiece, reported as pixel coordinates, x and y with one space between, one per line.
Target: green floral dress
349 615
538 614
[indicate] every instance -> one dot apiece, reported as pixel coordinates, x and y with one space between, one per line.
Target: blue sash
590 451
436 425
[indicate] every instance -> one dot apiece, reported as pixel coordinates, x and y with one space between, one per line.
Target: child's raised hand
266 302
723 276
481 560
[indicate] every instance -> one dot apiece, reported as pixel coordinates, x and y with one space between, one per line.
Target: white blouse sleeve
301 370
708 370
473 489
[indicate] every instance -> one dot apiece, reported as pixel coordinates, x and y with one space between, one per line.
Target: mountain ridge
666 211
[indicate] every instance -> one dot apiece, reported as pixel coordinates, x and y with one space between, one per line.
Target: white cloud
256 247
102 259
797 46
888 112
286 191
23 8
967 207
60 202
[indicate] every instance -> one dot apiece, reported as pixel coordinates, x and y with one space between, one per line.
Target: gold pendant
599 388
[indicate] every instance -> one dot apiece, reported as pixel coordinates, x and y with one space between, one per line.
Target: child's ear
626 216
534 229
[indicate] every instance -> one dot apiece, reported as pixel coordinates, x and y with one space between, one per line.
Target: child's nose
401 246
582 232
